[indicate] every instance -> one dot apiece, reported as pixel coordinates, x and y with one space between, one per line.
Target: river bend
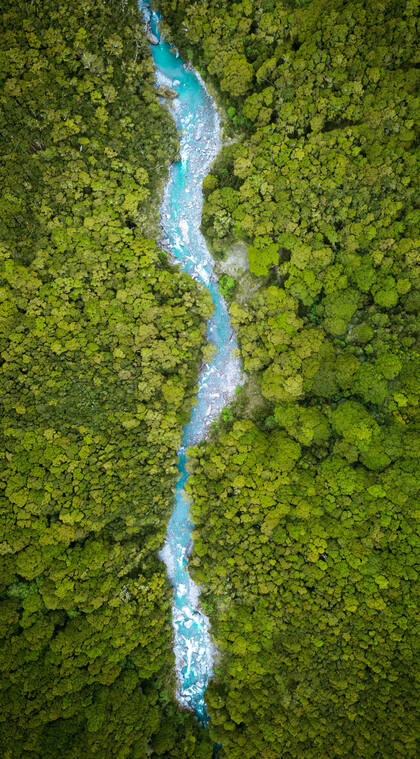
198 122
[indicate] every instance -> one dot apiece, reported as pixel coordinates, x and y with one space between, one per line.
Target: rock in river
166 92
152 38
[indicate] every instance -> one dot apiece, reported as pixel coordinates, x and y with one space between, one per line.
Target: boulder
152 38
166 92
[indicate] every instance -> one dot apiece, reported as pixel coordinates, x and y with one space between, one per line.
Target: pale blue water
196 117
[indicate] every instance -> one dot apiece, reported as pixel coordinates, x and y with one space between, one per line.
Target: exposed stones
166 92
152 38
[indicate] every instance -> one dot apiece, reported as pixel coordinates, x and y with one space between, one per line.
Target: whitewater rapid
198 123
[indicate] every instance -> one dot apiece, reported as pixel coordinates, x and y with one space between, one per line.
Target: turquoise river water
197 120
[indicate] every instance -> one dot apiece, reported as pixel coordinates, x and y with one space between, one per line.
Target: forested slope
100 341
304 501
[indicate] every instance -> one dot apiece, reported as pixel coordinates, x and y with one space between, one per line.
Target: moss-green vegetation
100 341
304 504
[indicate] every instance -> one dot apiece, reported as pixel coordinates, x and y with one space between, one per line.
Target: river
197 120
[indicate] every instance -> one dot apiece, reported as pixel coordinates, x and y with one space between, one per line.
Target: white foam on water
181 211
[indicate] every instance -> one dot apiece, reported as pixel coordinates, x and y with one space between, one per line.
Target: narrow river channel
197 120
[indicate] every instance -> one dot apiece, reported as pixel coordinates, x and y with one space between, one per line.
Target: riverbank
95 327
301 508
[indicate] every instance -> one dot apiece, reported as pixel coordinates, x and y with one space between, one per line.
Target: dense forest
304 495
101 341
305 541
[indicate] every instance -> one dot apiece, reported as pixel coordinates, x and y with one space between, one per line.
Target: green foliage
308 425
226 285
306 557
303 499
101 340
238 75
263 254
